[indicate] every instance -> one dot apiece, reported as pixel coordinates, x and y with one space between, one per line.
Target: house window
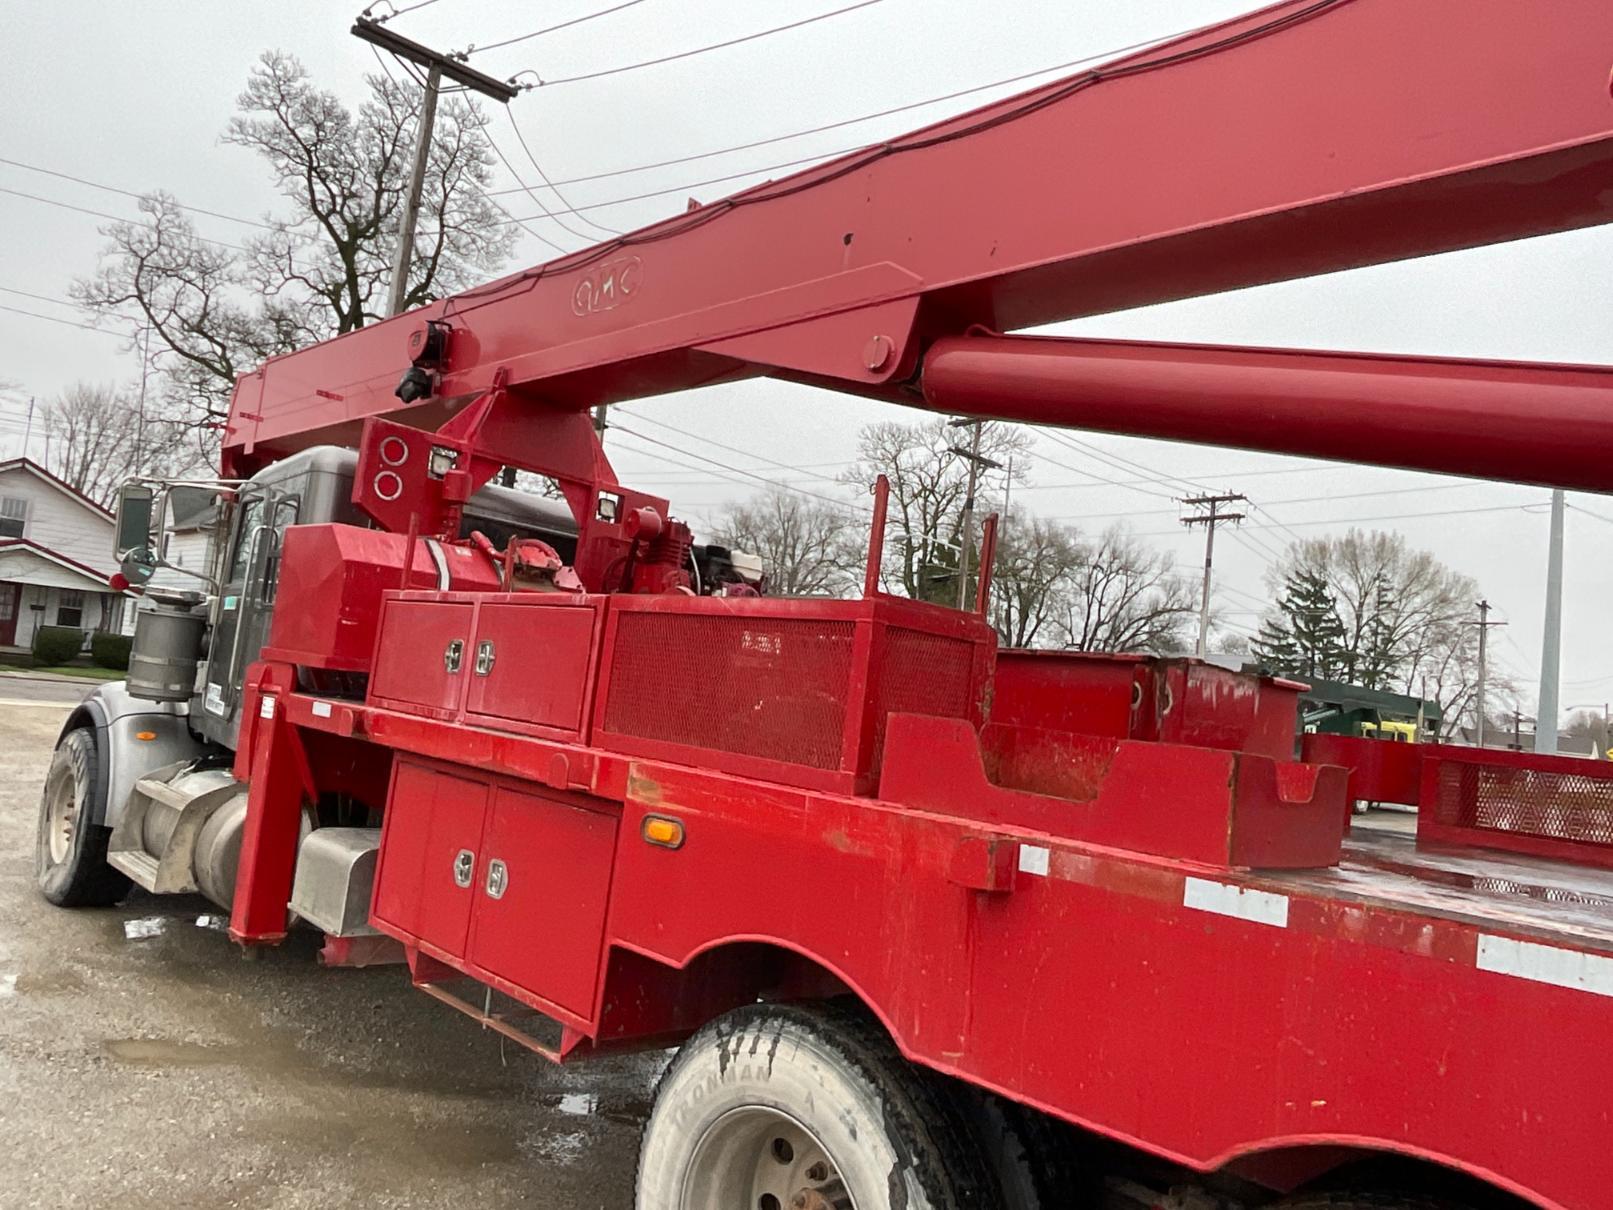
13 516
70 608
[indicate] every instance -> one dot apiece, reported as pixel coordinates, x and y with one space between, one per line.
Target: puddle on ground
164 1052
51 983
395 1140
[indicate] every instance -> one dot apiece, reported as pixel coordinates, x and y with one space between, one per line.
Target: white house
55 558
187 539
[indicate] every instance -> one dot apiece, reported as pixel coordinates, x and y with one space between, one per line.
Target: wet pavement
144 1064
18 689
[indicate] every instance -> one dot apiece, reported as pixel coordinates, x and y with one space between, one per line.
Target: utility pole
1210 520
1484 625
140 419
976 460
28 427
1551 642
437 65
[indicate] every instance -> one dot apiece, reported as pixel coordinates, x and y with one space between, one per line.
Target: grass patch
88 674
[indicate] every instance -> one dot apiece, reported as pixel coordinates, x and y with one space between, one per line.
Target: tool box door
533 664
430 845
540 911
423 656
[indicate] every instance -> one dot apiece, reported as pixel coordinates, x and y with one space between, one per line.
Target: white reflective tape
266 707
1033 859
321 709
1572 969
1241 903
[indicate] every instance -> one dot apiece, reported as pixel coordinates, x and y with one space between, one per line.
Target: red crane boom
1308 137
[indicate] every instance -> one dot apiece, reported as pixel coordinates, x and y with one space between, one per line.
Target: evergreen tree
1306 637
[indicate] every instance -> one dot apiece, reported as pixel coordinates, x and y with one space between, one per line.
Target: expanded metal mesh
1525 802
765 687
922 674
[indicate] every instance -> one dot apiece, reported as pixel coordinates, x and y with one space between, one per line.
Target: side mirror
135 502
138 566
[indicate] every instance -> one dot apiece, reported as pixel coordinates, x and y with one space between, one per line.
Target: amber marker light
664 832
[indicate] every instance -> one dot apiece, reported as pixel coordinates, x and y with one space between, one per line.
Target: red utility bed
1167 942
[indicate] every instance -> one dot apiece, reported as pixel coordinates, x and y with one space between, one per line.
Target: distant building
187 539
55 558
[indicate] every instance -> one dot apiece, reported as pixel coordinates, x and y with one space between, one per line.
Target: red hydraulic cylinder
1516 421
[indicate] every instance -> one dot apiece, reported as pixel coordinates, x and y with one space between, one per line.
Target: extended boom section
1304 138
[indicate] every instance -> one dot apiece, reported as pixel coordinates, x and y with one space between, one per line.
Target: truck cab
141 789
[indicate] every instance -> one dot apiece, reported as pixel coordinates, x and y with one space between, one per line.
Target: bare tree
1125 596
929 482
809 548
1406 617
1035 563
1399 607
321 268
98 438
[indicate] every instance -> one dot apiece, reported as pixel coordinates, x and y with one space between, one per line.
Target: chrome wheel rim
760 1158
61 818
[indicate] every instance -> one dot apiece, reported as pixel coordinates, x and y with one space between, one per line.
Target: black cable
883 113
78 180
543 176
538 33
71 323
700 50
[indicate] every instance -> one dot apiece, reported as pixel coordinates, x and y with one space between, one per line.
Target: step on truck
930 924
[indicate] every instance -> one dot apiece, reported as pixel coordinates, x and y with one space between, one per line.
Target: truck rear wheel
805 1108
69 850
1030 1155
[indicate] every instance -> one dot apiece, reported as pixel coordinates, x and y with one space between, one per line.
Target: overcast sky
134 96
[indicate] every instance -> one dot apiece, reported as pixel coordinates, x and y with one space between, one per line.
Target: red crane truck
932 924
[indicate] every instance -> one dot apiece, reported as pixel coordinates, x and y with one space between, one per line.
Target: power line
78 180
883 113
544 177
538 33
1136 487
498 151
116 218
701 50
725 466
46 298
699 437
1453 512
71 323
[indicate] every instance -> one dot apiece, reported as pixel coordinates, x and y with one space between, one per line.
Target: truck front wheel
805 1108
70 850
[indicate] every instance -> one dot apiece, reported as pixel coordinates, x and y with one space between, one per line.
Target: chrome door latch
484 657
498 879
464 867
454 655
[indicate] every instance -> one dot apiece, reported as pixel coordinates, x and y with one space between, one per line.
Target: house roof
61 560
61 485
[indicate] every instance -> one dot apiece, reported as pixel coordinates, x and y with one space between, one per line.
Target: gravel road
144 1064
